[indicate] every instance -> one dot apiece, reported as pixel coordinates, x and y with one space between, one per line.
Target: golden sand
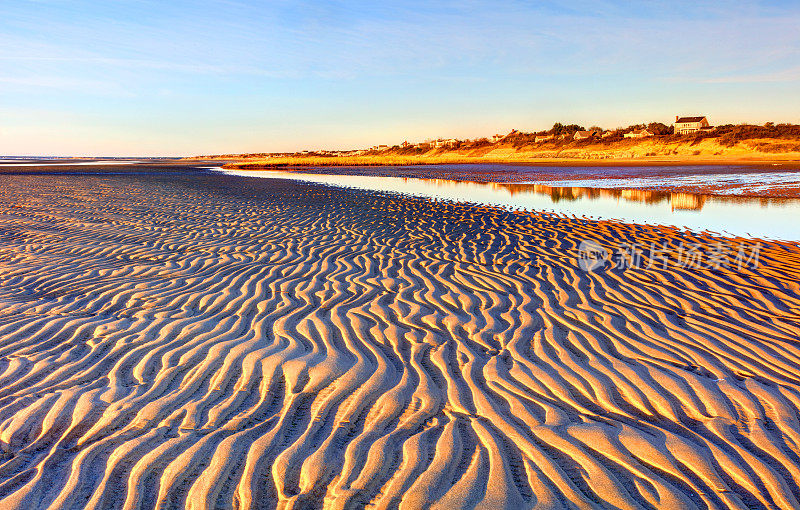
218 342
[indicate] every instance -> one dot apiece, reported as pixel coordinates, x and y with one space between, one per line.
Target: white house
688 125
639 133
543 138
441 142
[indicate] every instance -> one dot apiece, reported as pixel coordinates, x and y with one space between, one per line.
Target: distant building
441 142
688 125
583 135
639 133
405 144
496 138
543 138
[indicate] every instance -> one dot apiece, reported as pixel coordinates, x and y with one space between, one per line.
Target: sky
175 77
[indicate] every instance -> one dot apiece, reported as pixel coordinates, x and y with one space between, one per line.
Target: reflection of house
640 133
584 135
688 125
637 195
686 201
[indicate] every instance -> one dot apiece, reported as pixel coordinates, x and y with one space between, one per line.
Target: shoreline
544 162
656 176
615 190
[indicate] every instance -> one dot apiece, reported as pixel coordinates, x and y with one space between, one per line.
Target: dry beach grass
223 342
646 151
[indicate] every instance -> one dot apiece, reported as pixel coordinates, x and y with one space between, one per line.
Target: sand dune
221 342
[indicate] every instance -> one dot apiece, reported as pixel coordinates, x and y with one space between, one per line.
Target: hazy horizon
192 78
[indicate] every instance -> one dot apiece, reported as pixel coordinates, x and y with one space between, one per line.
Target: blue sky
181 77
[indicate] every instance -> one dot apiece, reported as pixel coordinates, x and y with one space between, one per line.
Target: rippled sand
221 342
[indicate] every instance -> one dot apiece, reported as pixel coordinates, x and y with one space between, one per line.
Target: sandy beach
211 341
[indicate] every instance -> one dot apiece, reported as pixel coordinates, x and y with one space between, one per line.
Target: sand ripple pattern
221 342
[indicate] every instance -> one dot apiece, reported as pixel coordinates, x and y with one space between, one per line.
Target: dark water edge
96 167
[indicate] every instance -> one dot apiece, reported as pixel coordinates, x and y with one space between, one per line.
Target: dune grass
655 150
365 160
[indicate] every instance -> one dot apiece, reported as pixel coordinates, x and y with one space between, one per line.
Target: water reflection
774 218
684 201
677 200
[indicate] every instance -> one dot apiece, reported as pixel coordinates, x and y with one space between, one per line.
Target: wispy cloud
293 66
781 76
105 88
348 40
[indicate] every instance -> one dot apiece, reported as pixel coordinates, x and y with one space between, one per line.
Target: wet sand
209 341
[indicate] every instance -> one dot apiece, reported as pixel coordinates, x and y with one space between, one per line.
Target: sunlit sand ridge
221 342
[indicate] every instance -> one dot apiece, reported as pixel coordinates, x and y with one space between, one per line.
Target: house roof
690 119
